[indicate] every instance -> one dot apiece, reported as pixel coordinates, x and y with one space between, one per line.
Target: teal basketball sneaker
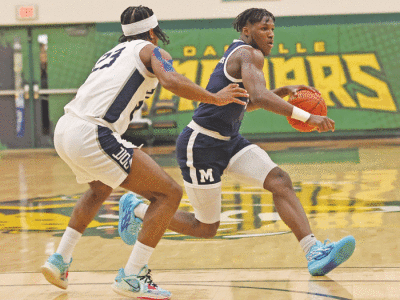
323 258
128 224
140 286
55 270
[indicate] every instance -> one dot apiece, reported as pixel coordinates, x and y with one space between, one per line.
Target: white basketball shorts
204 156
93 152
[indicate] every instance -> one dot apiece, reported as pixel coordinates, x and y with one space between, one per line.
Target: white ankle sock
140 210
307 242
139 258
68 242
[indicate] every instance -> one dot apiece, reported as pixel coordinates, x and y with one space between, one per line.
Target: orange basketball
311 102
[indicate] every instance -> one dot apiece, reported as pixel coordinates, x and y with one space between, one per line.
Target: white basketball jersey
116 88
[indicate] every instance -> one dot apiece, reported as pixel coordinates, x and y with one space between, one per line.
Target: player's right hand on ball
229 94
321 123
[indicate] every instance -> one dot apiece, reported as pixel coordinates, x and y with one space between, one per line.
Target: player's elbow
258 101
169 82
265 101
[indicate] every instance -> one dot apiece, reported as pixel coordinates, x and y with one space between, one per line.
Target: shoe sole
131 294
51 276
340 255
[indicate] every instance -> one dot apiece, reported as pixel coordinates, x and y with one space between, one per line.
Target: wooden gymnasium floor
346 187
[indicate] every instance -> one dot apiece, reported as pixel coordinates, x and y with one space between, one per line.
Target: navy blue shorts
203 158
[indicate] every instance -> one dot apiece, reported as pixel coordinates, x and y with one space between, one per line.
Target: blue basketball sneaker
323 258
128 224
55 270
140 286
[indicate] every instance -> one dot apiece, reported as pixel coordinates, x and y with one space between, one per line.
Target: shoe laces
319 250
147 279
326 242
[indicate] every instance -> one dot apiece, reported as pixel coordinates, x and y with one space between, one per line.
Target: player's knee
99 191
208 231
278 182
175 194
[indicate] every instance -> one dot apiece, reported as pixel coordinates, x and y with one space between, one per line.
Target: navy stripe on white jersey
118 85
124 96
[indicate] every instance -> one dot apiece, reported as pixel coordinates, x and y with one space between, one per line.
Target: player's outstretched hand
322 123
229 94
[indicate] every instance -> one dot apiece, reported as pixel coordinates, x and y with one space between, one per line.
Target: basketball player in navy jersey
88 138
211 144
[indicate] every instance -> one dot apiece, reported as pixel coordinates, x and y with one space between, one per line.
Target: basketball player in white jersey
88 138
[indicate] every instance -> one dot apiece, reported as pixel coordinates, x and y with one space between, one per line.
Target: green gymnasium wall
353 60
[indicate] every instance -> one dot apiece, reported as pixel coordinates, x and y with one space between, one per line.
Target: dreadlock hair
251 15
137 13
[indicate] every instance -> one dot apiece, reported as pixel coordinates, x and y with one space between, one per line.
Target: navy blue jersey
223 119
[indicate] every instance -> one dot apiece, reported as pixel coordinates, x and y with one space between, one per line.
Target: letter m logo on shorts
206 175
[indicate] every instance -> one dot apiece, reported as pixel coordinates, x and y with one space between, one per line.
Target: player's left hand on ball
321 123
293 89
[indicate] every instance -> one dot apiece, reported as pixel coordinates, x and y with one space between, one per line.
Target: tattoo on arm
167 64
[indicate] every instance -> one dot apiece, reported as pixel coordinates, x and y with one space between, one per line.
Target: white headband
140 26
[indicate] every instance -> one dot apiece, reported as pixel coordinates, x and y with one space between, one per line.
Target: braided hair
137 13
251 15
